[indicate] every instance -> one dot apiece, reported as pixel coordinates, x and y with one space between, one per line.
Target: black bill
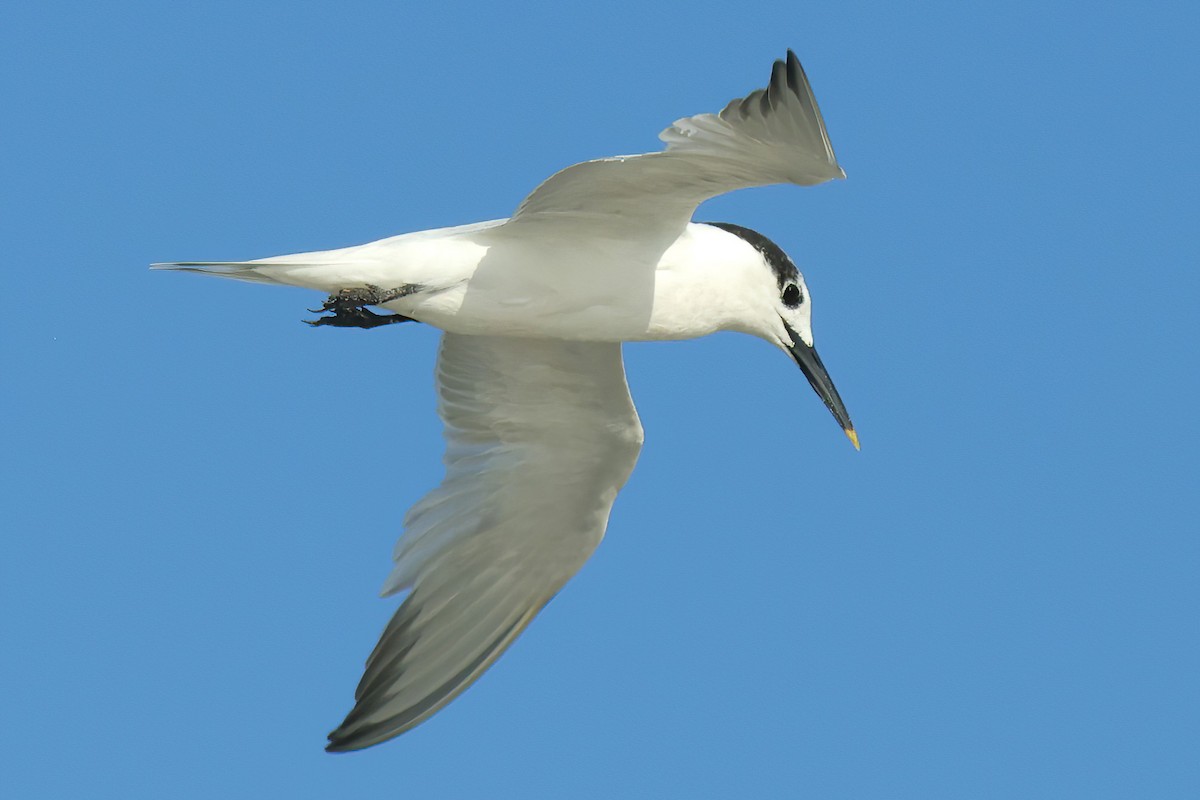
822 384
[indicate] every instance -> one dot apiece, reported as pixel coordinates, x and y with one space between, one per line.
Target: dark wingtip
795 75
778 87
340 743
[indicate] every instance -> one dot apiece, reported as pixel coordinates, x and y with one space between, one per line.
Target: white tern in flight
540 429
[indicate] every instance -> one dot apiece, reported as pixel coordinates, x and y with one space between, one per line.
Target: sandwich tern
540 428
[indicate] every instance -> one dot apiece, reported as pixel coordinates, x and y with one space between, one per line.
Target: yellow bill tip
853 437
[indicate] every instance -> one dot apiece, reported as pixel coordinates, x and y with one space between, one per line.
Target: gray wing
773 135
540 436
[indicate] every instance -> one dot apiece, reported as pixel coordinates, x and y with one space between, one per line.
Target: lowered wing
540 435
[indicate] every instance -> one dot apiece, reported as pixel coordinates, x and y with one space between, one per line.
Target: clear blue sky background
996 598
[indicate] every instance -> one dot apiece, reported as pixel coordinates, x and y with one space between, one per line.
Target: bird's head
788 323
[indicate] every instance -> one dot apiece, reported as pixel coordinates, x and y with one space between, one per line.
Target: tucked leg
348 307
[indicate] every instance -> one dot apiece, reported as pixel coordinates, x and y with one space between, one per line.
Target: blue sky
996 598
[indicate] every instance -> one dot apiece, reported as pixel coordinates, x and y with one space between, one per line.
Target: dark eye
792 296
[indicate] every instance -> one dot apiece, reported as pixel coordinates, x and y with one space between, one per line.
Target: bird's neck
705 282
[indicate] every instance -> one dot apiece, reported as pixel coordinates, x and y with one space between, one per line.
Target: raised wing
773 135
540 436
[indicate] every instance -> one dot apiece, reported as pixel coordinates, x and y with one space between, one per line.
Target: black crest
785 271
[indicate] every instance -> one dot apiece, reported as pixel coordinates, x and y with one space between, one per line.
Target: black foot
348 307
